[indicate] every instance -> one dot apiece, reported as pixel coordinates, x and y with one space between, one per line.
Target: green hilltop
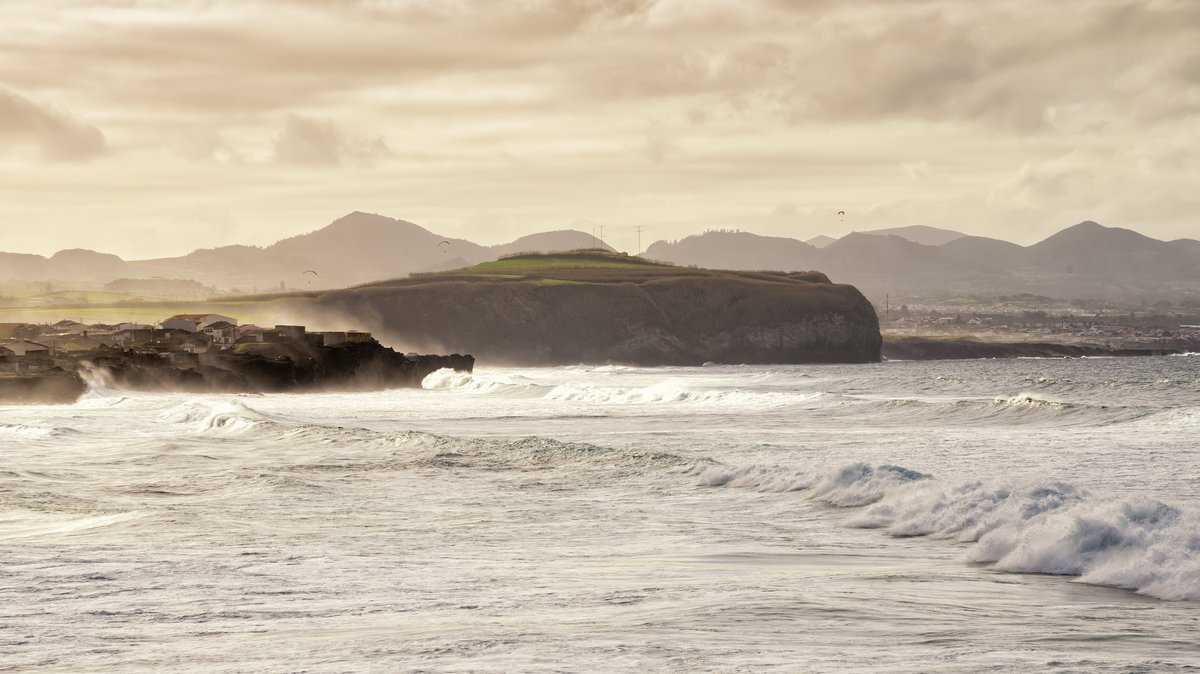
585 266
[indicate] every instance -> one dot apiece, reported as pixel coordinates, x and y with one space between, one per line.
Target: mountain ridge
1083 260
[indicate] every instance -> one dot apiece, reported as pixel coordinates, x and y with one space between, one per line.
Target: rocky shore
52 387
259 368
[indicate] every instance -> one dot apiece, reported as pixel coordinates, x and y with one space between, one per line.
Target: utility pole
601 236
888 303
639 231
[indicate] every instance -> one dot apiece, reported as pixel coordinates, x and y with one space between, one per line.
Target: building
295 332
181 340
21 348
195 322
345 337
142 334
223 333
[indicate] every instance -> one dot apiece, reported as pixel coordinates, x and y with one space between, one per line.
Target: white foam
27 432
448 379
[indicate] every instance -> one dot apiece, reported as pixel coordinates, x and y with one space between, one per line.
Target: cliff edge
597 307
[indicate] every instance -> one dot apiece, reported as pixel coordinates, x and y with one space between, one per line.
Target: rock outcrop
275 368
56 386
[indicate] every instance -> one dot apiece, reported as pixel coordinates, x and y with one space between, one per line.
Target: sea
945 516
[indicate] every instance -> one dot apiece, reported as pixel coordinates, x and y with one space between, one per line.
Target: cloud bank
1008 118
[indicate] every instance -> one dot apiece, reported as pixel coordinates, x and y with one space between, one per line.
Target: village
28 346
1108 329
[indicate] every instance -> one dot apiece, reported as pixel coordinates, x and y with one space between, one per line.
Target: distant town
1039 319
24 346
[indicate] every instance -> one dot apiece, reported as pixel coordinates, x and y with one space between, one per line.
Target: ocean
1016 515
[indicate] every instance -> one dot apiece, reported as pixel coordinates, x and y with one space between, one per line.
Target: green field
541 263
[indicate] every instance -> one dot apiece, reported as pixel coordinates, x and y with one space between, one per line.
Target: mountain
820 241
22 266
549 242
1091 249
890 264
1087 260
736 250
357 248
1084 261
984 251
367 247
922 234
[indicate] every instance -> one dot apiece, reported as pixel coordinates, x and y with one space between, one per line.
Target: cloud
658 144
935 112
59 135
317 142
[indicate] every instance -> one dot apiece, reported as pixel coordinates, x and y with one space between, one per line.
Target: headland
599 307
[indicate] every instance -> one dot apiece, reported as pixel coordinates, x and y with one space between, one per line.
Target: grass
576 260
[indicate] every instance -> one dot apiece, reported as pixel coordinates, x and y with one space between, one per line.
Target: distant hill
1094 250
549 242
981 251
820 241
1084 261
736 250
357 248
1087 261
922 234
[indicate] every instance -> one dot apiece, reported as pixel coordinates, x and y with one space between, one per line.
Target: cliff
597 307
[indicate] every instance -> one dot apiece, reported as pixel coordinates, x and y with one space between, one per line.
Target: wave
475 382
30 524
1023 408
671 393
1055 528
32 432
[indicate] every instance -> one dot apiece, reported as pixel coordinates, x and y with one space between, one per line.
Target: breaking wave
1136 543
448 379
31 432
671 393
1023 408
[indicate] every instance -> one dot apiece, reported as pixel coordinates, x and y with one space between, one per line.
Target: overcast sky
153 128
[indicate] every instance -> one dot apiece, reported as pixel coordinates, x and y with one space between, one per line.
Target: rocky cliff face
57 386
287 368
654 315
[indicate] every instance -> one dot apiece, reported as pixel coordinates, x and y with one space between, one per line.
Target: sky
151 128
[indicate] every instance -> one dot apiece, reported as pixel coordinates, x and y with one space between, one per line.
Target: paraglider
444 246
309 271
842 215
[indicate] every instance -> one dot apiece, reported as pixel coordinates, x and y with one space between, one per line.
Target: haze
148 129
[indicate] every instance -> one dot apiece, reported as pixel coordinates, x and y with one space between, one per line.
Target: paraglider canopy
444 245
842 215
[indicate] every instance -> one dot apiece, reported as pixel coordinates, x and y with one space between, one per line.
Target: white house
194 322
222 332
